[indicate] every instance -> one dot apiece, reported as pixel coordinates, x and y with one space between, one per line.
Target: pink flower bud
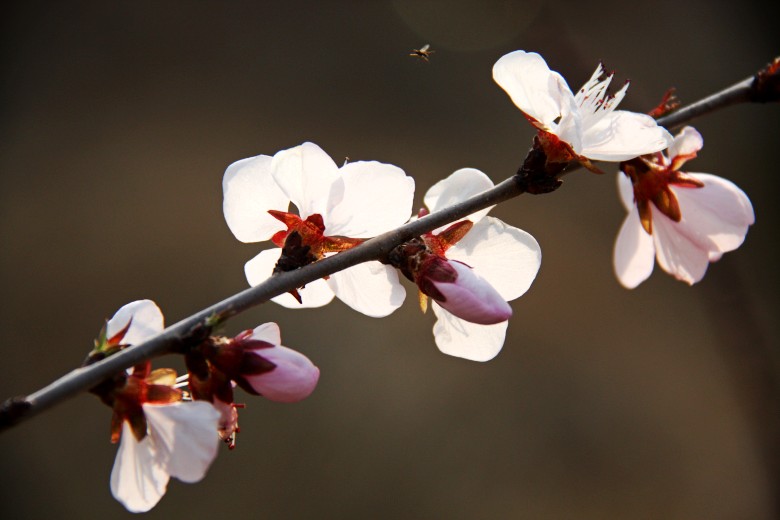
459 290
293 378
259 364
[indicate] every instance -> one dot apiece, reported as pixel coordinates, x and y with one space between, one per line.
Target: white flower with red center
471 269
579 127
160 436
337 209
682 220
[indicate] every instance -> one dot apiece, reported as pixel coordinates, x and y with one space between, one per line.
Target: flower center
305 241
651 180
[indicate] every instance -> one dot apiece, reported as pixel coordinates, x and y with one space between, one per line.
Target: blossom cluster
164 431
309 208
457 267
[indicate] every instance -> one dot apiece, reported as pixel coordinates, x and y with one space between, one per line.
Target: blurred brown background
117 122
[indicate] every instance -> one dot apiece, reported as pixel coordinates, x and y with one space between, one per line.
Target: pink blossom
682 220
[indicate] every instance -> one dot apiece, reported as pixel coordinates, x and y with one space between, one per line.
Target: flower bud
260 365
293 378
459 290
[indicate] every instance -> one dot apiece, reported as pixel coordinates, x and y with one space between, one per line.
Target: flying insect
423 53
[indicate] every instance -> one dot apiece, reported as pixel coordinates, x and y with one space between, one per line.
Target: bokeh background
118 121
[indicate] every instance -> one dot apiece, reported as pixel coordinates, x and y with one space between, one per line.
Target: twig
737 93
763 87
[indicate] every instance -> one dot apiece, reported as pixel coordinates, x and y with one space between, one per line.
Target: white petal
634 254
370 288
719 211
268 332
377 198
260 268
459 186
507 257
687 142
626 191
315 294
308 177
570 127
249 191
534 88
459 338
679 255
137 479
621 135
184 436
147 321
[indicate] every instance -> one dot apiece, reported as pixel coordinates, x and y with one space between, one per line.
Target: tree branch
16 409
761 88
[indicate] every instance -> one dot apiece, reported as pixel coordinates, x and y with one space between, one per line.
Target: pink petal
370 288
677 253
687 142
138 481
377 198
293 379
634 254
459 338
308 177
719 211
472 298
249 191
147 321
507 258
268 332
184 436
536 90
